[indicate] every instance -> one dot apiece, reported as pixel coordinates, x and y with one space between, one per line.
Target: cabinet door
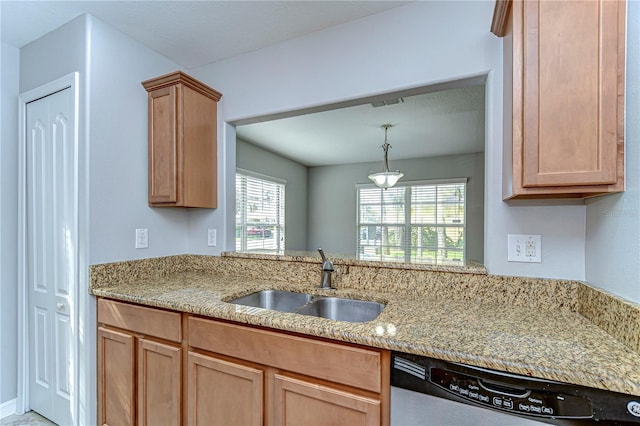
199 151
223 393
116 378
159 383
297 402
163 145
571 121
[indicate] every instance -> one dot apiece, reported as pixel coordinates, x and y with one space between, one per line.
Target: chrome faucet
327 269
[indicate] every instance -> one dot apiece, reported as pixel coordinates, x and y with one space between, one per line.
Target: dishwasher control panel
503 396
546 401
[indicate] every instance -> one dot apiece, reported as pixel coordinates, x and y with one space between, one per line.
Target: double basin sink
335 308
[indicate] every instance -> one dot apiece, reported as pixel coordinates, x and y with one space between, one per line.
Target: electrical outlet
530 247
142 238
524 248
211 237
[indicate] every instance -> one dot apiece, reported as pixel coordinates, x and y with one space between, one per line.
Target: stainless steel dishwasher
426 391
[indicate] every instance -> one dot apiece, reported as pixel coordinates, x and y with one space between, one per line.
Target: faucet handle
324 258
327 265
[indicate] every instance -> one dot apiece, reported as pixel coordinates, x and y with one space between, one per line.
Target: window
422 222
259 212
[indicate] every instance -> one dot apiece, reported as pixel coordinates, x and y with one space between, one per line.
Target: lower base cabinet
139 365
276 378
222 373
223 393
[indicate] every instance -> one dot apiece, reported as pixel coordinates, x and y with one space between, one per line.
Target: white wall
10 66
414 45
613 222
253 158
333 206
118 158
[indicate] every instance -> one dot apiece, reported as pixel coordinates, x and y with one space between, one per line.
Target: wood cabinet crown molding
499 24
180 77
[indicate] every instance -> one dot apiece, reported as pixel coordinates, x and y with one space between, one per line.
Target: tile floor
31 418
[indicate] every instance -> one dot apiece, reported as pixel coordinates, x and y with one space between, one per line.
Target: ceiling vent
393 101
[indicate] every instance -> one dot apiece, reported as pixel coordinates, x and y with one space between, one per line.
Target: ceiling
431 121
191 33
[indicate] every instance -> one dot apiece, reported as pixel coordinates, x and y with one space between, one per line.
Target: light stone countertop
556 344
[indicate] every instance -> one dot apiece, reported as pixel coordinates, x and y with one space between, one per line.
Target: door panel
570 93
51 244
223 393
159 383
116 378
41 340
298 402
63 341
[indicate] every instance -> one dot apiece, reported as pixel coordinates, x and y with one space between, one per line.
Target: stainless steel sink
277 300
336 308
340 309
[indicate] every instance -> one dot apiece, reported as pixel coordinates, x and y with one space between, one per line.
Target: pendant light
386 179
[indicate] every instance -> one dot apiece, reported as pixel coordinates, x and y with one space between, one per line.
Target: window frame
408 225
280 237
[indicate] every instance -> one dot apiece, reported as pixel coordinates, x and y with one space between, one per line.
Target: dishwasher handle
503 389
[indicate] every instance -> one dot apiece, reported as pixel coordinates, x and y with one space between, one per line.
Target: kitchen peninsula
551 329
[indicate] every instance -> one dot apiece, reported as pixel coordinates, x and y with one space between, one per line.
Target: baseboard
8 408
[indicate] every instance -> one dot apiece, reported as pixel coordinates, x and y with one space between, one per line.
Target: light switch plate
524 248
142 238
211 237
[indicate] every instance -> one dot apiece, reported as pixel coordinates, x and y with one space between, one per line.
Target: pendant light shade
386 179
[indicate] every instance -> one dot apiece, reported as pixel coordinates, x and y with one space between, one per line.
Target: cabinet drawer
139 319
348 365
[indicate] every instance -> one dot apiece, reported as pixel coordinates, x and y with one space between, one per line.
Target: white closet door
51 252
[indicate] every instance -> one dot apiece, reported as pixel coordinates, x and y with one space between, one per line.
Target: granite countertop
551 344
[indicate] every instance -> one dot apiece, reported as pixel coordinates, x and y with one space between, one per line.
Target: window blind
260 219
414 222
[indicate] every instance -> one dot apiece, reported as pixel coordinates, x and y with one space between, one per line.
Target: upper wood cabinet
564 66
182 142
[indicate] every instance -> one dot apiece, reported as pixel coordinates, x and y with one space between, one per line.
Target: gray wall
613 221
253 158
118 158
332 198
292 75
10 62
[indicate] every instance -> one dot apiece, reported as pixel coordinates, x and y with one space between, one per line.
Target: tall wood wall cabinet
564 97
182 142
